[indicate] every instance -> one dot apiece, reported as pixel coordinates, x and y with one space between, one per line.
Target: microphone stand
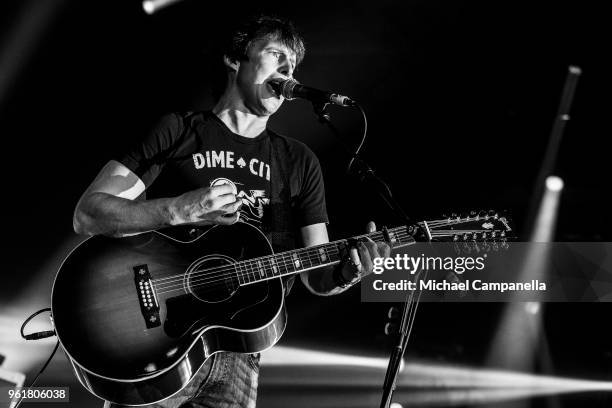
364 173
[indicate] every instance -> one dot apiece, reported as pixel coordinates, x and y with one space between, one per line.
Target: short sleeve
311 205
146 159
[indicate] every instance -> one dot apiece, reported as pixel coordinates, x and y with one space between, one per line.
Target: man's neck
241 122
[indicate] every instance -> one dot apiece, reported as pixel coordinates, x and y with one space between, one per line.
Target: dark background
460 98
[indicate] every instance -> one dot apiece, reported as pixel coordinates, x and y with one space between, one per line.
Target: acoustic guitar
138 316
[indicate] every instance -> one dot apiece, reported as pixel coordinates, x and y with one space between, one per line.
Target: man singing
221 167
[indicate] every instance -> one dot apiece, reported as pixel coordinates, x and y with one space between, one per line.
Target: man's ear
231 63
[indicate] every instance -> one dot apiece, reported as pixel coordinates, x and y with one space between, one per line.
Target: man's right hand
206 206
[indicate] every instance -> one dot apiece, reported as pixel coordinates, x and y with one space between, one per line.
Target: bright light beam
22 40
544 228
283 356
153 6
520 329
447 376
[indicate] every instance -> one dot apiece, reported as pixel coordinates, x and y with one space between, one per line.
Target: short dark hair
264 27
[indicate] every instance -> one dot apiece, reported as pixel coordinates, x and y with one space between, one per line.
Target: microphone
291 89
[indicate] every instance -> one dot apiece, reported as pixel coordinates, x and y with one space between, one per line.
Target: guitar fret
305 258
273 266
252 272
326 250
290 262
336 256
268 270
238 273
284 265
297 264
245 272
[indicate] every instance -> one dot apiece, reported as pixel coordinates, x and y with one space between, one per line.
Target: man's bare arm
108 207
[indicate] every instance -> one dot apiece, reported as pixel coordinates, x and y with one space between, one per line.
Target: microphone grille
287 88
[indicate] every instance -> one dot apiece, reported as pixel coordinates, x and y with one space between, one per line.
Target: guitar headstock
473 232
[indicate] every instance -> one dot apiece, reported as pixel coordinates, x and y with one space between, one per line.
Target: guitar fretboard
305 259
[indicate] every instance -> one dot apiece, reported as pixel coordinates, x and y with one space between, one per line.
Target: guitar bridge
146 296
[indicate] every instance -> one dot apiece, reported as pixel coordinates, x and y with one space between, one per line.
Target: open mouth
274 88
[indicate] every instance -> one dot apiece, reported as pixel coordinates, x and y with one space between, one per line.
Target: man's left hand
360 261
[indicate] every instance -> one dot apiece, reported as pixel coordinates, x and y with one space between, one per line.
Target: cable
37 336
363 138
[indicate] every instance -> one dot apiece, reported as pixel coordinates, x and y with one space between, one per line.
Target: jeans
232 383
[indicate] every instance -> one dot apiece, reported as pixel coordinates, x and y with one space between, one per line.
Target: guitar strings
213 275
311 254
218 274
400 230
207 281
273 260
252 262
220 277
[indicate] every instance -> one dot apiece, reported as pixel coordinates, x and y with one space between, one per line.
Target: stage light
532 307
148 7
153 6
282 355
425 375
546 218
554 183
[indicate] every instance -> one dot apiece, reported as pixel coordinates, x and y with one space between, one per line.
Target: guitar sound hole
211 279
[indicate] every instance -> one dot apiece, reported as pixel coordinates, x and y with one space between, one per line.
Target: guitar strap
278 221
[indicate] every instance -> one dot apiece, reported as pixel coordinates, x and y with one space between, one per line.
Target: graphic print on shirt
226 160
253 202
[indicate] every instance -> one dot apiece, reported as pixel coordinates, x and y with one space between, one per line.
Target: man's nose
285 68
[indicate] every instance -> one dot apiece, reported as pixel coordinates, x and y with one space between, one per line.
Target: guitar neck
314 257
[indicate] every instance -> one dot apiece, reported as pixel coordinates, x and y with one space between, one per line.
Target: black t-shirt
187 151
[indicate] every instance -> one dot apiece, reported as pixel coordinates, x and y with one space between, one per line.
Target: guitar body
138 317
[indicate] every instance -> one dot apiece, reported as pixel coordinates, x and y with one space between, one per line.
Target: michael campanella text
444 285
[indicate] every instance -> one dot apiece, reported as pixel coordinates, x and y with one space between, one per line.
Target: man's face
267 60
